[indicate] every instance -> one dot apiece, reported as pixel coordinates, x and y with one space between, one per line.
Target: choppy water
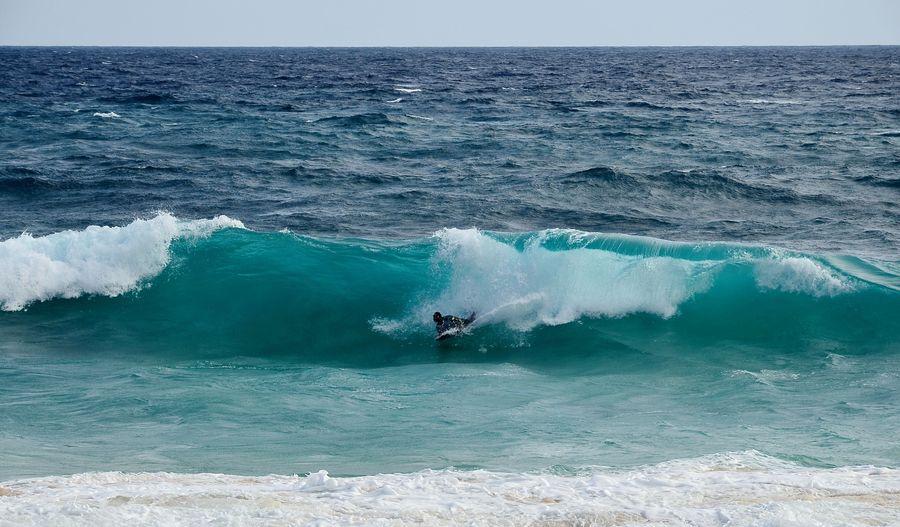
675 253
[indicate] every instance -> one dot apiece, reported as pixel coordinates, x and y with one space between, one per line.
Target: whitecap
98 260
770 101
107 115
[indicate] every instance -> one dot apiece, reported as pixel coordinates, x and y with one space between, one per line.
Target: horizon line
447 46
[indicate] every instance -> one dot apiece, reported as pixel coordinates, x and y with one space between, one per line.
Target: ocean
218 269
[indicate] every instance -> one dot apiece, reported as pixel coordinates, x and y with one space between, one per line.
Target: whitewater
731 489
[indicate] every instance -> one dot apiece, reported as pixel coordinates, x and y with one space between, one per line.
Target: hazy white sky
448 22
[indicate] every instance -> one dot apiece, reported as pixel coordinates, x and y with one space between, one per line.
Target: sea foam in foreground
741 489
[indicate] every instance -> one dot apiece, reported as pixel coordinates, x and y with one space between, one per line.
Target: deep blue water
674 251
793 146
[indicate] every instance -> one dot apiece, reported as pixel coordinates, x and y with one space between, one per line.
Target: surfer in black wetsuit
445 323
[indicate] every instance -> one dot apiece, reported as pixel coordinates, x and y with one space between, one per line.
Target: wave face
292 294
740 489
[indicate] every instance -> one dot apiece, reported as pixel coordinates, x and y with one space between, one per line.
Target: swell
695 182
213 287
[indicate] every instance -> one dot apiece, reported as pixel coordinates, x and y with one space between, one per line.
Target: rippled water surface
793 146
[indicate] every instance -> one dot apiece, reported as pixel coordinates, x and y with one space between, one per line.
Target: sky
448 22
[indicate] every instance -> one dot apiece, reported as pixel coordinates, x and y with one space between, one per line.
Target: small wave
478 100
713 181
652 106
420 117
407 90
141 98
97 260
25 184
363 119
394 101
28 181
600 176
879 181
107 115
734 489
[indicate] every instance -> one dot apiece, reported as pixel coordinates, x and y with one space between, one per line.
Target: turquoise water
255 352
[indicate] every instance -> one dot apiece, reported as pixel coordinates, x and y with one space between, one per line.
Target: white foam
392 101
536 285
387 326
799 275
738 489
771 101
767 377
107 115
97 260
407 90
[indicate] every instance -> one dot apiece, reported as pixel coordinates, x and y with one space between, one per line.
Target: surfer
444 323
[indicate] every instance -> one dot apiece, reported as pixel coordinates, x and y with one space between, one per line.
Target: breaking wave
223 286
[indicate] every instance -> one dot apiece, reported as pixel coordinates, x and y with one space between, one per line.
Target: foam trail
97 260
734 489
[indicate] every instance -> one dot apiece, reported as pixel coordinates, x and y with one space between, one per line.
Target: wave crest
97 260
537 285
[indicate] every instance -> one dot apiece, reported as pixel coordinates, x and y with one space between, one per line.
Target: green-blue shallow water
198 346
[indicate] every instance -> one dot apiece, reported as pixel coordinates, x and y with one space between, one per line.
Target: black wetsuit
449 322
